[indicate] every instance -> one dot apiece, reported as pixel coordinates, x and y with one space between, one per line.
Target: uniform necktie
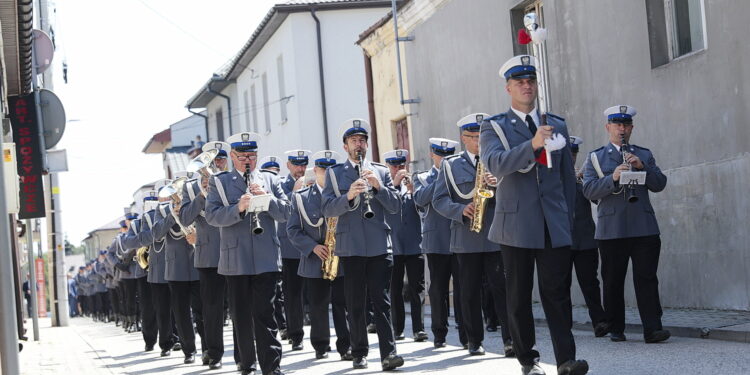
532 125
476 160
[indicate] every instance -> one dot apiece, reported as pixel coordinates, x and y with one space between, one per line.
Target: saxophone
481 195
330 266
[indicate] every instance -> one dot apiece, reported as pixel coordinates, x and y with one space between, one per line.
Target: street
96 348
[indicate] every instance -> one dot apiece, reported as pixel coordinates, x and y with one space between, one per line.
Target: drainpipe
205 121
371 108
321 77
216 78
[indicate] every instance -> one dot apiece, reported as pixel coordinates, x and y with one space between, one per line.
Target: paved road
95 348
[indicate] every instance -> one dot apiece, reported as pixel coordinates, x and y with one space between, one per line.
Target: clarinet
369 213
630 194
257 229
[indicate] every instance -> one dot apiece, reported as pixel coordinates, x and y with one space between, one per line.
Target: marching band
343 233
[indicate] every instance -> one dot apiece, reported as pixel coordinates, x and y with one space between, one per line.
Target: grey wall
692 115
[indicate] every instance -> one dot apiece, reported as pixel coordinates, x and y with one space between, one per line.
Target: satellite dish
53 117
43 50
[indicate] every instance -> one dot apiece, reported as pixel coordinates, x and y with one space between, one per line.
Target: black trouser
98 306
150 328
212 295
251 301
488 304
644 252
293 300
160 298
186 295
114 300
278 305
321 293
369 276
414 267
442 266
553 266
130 288
586 263
106 305
471 268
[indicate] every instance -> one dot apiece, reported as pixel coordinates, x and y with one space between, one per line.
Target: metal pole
32 278
8 328
61 282
394 12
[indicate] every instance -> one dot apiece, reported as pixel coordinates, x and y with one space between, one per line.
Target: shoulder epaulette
498 116
640 147
599 149
221 173
451 157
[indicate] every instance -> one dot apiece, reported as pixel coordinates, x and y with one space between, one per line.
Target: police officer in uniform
249 259
454 199
627 228
130 272
436 239
534 215
406 235
307 229
160 293
585 254
351 192
181 275
292 284
206 259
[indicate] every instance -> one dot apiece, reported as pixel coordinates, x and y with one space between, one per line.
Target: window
675 28
282 89
266 114
401 134
254 106
246 102
219 124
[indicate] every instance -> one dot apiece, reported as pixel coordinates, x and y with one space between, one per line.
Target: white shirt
472 157
534 116
616 147
320 188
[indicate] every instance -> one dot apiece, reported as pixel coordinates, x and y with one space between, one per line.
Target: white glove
555 143
539 35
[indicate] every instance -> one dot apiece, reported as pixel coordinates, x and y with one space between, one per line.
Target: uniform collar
471 158
615 146
534 116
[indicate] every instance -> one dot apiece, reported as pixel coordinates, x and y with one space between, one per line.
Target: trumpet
369 213
203 165
257 228
141 256
173 191
630 194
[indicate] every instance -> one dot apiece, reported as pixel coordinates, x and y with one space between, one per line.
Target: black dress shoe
601 329
296 346
214 364
657 336
491 328
321 355
347 356
205 358
284 335
166 352
534 369
371 328
248 372
573 367
476 349
508 349
440 344
420 336
392 361
399 336
177 347
190 358
359 362
617 337
466 346
149 348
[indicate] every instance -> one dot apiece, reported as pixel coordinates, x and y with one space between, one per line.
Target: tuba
482 193
141 256
330 266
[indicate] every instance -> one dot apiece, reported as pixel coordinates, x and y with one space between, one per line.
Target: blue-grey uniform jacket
406 226
118 253
306 229
356 235
288 250
156 254
617 217
436 228
83 287
99 277
193 211
447 202
583 223
241 251
131 242
178 252
526 202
